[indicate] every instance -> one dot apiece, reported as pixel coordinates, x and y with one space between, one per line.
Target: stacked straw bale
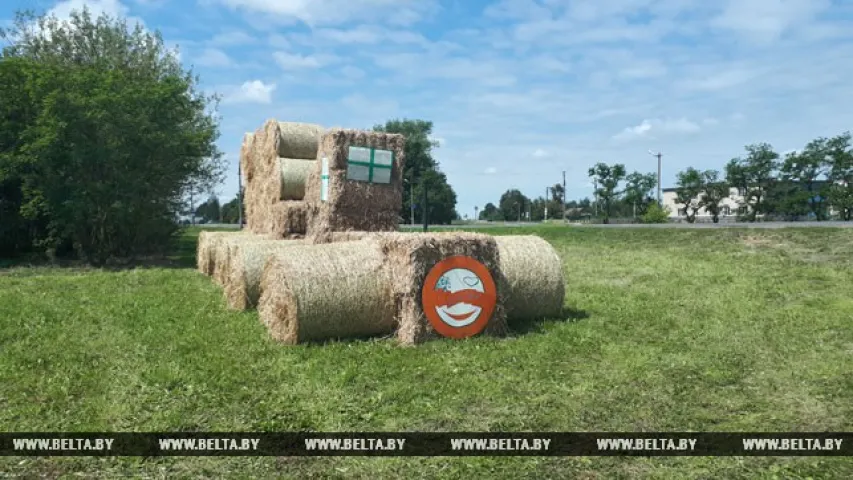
208 249
534 275
318 292
294 175
222 268
410 256
353 205
275 148
247 258
288 220
335 237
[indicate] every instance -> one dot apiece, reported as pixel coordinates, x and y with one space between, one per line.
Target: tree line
815 182
102 135
617 192
106 140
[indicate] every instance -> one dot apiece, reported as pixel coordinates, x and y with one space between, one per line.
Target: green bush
655 214
98 146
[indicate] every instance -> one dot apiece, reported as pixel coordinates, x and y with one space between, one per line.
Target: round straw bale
222 249
318 292
247 260
207 249
299 140
294 174
534 274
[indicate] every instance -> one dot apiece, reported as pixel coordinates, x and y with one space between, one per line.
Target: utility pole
659 155
546 203
239 195
595 195
412 199
425 207
476 209
563 199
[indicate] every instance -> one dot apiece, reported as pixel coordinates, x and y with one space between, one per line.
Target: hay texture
534 274
246 162
294 175
223 246
287 220
335 237
354 205
208 248
247 259
270 143
410 256
298 140
319 292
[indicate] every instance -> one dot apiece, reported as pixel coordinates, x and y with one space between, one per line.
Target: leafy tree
841 175
714 192
111 132
638 191
490 213
788 199
419 161
512 205
655 213
754 175
805 168
440 197
231 211
608 179
537 209
210 210
690 185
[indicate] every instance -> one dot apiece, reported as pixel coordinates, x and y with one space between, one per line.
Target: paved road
651 225
727 225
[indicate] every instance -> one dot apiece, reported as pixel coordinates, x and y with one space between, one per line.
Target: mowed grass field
669 330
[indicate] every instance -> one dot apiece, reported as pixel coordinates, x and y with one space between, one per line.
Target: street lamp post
659 155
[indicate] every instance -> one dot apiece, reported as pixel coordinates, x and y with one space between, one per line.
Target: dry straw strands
319 292
287 219
298 140
335 237
410 256
294 174
247 259
208 249
353 205
222 249
534 275
272 141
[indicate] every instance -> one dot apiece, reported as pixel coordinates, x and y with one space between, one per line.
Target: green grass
717 330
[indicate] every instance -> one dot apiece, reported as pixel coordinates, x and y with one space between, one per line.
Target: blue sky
520 90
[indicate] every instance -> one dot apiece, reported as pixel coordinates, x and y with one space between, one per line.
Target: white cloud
254 91
490 171
295 61
232 37
768 20
115 8
352 73
335 12
213 57
649 127
539 153
112 8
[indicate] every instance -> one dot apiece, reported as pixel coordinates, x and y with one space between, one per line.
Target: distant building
730 207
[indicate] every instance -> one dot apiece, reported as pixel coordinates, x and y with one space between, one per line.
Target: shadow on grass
538 325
